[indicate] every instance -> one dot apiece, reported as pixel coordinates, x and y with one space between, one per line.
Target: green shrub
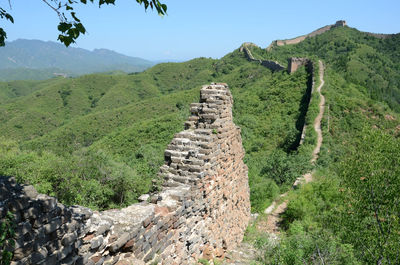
203 262
7 242
263 192
372 174
300 247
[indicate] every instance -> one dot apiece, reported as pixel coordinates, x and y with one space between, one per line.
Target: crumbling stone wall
293 65
272 65
201 212
295 62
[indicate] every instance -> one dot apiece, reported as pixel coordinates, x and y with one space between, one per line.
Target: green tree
372 175
70 26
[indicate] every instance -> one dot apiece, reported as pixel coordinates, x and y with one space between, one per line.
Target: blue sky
209 28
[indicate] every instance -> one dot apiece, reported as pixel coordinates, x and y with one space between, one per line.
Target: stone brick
53 225
96 242
38 256
18 203
130 261
120 242
128 246
112 260
32 212
147 221
68 239
50 260
149 256
69 260
96 258
48 203
24 251
23 228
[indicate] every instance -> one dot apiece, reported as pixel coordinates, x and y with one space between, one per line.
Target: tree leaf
3 37
64 26
74 17
65 39
9 17
80 28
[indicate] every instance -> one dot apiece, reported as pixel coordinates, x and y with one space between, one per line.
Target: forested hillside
369 62
350 213
98 141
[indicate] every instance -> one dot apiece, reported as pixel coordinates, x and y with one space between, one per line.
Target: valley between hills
321 143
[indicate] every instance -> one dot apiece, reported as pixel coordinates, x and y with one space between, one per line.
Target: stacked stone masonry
295 62
272 65
293 65
201 212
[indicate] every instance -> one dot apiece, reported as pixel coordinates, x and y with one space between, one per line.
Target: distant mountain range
35 59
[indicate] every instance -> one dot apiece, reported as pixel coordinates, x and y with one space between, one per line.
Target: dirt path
272 224
317 121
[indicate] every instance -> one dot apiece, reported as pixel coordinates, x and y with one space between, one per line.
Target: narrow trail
272 224
317 121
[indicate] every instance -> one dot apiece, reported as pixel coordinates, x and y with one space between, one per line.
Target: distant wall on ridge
272 65
340 23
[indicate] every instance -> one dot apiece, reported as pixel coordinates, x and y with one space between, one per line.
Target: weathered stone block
103 229
24 251
112 260
32 212
69 239
96 242
130 261
69 260
48 203
23 228
50 260
18 203
39 256
53 225
120 242
149 256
